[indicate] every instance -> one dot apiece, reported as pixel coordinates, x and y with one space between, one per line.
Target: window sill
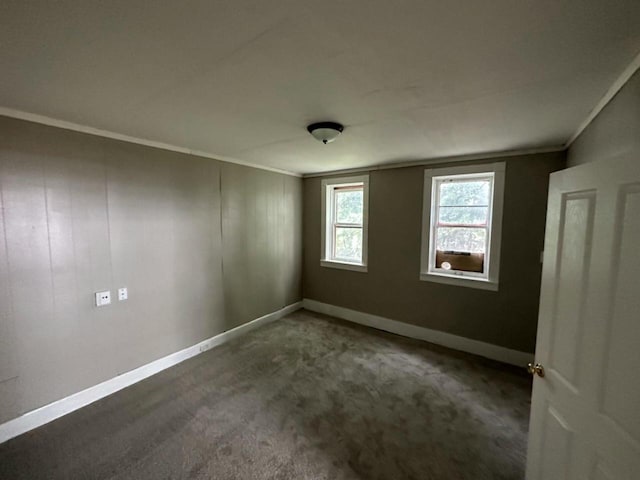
355 267
460 281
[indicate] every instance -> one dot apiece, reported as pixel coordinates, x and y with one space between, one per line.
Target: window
462 221
344 222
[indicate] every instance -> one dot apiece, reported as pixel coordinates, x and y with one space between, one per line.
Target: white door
585 413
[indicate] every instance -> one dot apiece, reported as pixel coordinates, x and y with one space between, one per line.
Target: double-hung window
344 222
462 221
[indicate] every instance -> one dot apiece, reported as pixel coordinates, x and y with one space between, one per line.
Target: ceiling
241 79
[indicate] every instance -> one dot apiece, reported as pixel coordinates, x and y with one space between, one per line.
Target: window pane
457 193
349 206
348 244
461 239
464 215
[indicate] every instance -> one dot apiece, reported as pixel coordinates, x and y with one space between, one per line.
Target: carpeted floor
306 397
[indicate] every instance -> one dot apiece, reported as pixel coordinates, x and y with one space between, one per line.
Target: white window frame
488 280
329 186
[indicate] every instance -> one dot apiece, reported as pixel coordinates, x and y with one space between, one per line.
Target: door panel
622 351
574 251
585 414
557 443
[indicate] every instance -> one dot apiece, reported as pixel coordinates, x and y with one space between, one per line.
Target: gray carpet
307 397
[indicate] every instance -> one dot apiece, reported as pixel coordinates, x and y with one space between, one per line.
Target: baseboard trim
59 408
487 350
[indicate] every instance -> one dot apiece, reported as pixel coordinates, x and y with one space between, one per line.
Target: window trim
326 239
494 230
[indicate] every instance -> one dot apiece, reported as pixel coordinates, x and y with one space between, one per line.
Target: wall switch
103 298
123 294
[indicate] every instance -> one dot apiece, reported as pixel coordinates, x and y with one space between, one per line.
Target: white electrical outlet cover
123 294
103 298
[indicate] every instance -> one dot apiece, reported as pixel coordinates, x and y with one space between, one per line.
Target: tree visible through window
462 223
344 221
347 223
463 215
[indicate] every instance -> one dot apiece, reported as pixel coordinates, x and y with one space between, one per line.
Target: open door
585 413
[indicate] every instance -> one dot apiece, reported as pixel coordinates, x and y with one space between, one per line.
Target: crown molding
607 97
624 77
76 127
436 160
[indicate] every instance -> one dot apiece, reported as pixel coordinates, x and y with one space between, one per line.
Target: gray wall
391 287
615 132
202 245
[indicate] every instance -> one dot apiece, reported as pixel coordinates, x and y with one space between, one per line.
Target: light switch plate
103 298
123 294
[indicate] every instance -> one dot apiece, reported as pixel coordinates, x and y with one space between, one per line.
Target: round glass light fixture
325 132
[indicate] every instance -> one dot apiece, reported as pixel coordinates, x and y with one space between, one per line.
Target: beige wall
392 289
615 132
202 246
262 261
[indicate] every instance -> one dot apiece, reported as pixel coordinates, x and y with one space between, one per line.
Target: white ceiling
410 79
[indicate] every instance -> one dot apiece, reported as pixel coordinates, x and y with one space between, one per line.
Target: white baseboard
57 409
494 352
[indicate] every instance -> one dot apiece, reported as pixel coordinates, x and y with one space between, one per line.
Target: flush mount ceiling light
326 132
